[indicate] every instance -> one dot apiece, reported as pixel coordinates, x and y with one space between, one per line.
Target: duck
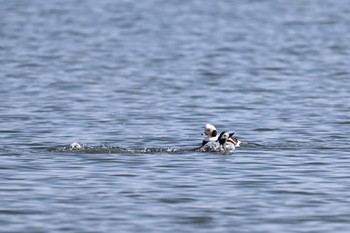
223 143
226 143
211 135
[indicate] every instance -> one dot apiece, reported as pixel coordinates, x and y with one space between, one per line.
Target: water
134 82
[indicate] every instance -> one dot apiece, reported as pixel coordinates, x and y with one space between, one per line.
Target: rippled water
135 81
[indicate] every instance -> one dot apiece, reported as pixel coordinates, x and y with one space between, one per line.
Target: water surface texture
134 82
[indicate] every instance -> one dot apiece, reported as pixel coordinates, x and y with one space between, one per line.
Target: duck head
210 131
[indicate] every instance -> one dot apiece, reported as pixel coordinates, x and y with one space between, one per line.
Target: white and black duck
211 135
224 143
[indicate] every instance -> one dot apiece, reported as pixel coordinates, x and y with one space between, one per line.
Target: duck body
210 146
226 142
235 141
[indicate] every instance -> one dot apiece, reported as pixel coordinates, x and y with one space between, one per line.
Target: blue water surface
134 82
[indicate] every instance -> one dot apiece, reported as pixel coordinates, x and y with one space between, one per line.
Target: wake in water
103 149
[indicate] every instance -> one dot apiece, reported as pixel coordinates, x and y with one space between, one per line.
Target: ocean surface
102 104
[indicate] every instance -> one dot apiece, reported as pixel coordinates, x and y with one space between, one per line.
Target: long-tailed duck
226 142
223 144
211 134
